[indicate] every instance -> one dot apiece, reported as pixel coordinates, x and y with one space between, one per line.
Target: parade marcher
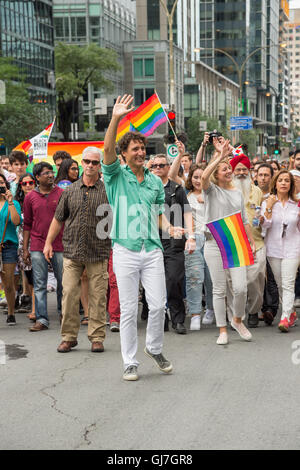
68 173
257 271
137 198
180 211
276 167
25 186
196 269
282 222
83 249
297 160
59 156
18 161
221 200
39 208
10 218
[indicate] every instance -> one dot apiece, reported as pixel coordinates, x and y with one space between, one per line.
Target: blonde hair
213 178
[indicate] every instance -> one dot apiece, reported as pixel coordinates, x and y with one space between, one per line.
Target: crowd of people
126 230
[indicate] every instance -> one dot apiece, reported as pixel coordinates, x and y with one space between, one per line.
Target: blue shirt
11 229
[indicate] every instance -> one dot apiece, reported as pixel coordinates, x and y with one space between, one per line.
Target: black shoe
166 325
268 317
11 320
180 329
144 314
253 320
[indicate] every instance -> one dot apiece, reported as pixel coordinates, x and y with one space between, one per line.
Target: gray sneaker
114 327
160 361
131 373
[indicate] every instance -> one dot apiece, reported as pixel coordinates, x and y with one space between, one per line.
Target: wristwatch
192 237
269 210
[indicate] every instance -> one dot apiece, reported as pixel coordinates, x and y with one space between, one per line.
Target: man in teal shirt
136 197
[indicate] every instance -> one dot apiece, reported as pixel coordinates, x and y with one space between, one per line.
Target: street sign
100 106
172 151
241 123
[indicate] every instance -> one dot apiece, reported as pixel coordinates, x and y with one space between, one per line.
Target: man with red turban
255 273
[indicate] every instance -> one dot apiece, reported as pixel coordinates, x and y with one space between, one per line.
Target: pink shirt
282 230
39 210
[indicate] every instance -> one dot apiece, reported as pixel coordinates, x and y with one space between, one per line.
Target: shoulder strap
4 231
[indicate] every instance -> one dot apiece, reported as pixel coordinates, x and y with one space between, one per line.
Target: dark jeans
271 296
174 271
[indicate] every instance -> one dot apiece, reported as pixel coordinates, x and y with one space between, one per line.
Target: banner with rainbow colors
232 241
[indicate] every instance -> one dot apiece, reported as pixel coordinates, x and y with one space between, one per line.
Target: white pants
256 275
285 271
130 267
219 277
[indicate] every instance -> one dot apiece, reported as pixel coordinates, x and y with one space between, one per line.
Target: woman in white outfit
282 221
221 200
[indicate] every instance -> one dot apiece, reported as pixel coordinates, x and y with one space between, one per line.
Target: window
141 95
143 68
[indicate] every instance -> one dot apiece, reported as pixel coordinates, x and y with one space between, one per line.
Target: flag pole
176 138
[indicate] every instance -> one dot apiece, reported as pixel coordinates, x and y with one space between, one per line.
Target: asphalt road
239 396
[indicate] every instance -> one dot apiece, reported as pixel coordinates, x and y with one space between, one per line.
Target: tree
19 119
75 68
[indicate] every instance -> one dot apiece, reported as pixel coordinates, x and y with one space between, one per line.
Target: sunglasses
27 183
93 162
285 226
47 173
159 165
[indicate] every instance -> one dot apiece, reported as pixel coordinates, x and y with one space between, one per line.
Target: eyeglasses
27 183
47 173
93 162
285 226
159 165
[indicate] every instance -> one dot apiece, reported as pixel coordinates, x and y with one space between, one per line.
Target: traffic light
277 149
172 122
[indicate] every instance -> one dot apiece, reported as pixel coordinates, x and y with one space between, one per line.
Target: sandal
85 321
31 317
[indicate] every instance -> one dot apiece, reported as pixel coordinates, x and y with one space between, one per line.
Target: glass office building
26 35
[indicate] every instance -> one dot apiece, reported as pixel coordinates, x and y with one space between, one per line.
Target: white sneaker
297 303
209 317
223 339
130 373
195 322
3 302
242 330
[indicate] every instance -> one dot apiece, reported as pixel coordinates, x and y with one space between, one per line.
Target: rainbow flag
232 241
28 145
145 119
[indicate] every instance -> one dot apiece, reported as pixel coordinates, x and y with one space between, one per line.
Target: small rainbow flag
145 119
232 241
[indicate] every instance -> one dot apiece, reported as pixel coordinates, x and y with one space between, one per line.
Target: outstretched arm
174 169
214 163
201 152
120 109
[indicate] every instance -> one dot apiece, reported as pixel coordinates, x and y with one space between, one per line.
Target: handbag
1 243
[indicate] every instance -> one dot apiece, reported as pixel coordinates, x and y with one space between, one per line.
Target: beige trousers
98 278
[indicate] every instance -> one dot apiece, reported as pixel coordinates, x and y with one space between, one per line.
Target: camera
2 189
213 134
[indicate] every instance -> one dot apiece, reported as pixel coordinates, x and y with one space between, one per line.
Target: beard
244 185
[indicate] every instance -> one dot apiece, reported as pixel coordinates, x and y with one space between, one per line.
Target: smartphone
2 190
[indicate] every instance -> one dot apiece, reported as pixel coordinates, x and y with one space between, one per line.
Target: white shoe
3 302
209 317
195 322
130 373
297 303
223 339
242 330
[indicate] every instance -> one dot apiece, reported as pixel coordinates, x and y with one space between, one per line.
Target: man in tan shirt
256 273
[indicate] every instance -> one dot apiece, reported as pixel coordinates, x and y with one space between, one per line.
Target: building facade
26 35
106 23
293 42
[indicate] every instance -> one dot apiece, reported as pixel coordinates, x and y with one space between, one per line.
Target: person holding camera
10 218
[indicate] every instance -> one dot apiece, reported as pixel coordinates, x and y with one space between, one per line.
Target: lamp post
170 17
239 68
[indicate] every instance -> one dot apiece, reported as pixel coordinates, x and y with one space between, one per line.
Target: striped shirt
79 207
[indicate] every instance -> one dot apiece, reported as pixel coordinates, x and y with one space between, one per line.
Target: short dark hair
3 157
18 155
128 137
186 154
266 165
296 152
38 168
5 181
61 154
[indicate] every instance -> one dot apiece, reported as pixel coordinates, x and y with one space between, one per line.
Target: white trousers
130 267
256 275
285 271
220 277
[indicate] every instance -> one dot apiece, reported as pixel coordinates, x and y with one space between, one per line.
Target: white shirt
282 241
198 212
